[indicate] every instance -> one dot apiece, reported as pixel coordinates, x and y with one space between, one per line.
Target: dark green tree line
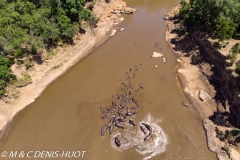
29 25
220 18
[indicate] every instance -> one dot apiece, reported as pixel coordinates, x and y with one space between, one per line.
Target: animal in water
134 108
127 109
120 113
124 100
132 122
117 141
143 129
102 131
110 129
118 97
110 121
129 93
136 102
107 127
128 114
124 116
118 125
112 116
133 100
102 110
134 113
109 110
104 117
121 120
147 137
147 126
113 103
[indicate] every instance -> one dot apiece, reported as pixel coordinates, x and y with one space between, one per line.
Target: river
66 117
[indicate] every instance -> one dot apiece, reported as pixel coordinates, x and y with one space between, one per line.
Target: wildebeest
132 122
102 131
117 141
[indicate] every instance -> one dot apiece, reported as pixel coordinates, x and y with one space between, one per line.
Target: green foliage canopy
25 24
221 18
28 25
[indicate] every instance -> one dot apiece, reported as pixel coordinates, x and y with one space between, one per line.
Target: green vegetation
50 55
220 18
25 80
28 63
5 74
234 52
237 70
29 25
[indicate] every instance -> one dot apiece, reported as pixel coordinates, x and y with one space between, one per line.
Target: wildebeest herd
124 108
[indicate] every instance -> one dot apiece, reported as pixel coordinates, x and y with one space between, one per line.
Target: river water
66 117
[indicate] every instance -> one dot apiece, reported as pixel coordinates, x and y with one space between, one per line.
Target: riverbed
66 117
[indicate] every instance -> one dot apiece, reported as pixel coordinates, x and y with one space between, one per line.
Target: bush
25 80
219 19
237 70
28 64
6 75
235 50
34 49
18 53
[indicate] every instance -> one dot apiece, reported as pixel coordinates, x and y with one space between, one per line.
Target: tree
219 18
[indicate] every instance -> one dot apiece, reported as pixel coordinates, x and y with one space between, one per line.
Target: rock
164 60
156 55
179 60
155 66
203 96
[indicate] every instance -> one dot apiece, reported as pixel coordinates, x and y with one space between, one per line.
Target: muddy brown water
66 117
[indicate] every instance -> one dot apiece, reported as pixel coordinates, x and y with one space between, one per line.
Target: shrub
18 53
28 64
235 50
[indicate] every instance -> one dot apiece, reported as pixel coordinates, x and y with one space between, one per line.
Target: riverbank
194 74
61 59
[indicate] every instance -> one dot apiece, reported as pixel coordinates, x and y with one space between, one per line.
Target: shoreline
44 74
193 79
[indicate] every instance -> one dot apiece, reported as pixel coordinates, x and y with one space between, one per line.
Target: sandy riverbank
196 86
43 74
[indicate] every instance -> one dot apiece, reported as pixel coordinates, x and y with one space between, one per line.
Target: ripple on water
134 137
